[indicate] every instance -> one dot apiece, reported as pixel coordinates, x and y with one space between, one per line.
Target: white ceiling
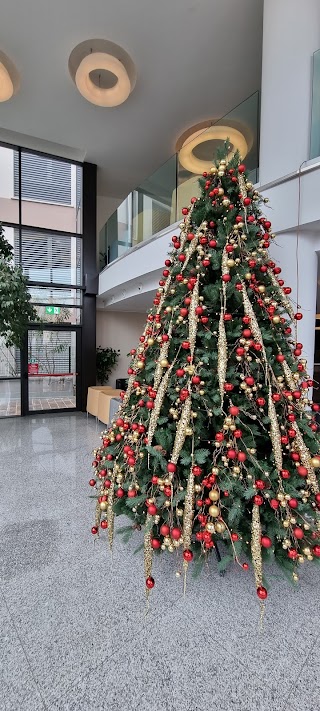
195 59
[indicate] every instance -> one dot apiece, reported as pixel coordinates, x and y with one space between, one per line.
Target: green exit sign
53 310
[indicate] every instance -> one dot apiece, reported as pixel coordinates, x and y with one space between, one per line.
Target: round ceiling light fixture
196 165
9 78
103 73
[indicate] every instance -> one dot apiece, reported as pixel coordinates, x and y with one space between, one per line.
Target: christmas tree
215 446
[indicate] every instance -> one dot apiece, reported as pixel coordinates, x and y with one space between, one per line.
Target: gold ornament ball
213 170
247 276
197 488
214 511
179 512
215 471
249 186
150 341
295 577
221 191
210 527
140 364
168 309
230 262
226 202
286 524
201 392
214 495
261 288
221 173
164 363
189 431
220 527
315 461
103 505
276 319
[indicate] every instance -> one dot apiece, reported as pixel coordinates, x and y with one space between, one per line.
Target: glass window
154 202
52 295
315 110
51 192
9 204
51 258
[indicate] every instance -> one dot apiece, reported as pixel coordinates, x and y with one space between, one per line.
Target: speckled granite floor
74 635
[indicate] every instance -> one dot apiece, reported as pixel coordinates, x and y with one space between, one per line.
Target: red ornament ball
150 583
132 493
164 530
188 556
266 542
298 316
298 532
92 482
274 503
184 211
241 168
262 593
104 524
152 510
245 566
234 410
316 551
171 467
94 530
176 533
226 278
120 493
258 500
234 537
155 543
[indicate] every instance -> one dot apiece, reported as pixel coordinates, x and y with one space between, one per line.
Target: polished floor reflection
74 635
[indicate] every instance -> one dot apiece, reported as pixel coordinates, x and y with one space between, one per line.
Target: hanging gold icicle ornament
257 558
305 457
248 309
281 295
163 354
193 318
275 434
158 403
222 339
147 550
256 545
181 430
110 512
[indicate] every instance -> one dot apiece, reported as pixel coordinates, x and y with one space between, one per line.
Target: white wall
119 330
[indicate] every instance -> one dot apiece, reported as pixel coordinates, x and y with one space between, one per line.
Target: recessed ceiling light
103 72
214 133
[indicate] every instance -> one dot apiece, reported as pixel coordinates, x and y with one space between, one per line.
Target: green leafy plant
106 360
16 310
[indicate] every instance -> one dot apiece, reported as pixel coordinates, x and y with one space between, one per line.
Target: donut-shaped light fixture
197 166
102 71
9 78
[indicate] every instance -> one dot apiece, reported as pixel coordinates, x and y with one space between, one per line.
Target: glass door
52 374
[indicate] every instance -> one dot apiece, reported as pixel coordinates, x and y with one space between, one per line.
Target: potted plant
106 360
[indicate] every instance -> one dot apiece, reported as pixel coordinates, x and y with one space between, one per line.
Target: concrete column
286 252
291 33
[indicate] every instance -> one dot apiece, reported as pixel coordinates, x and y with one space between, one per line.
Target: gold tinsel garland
248 309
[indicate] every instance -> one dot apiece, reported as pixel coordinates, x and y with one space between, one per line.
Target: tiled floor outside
74 635
13 407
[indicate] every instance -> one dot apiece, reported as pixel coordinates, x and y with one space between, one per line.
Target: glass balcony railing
315 109
157 202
